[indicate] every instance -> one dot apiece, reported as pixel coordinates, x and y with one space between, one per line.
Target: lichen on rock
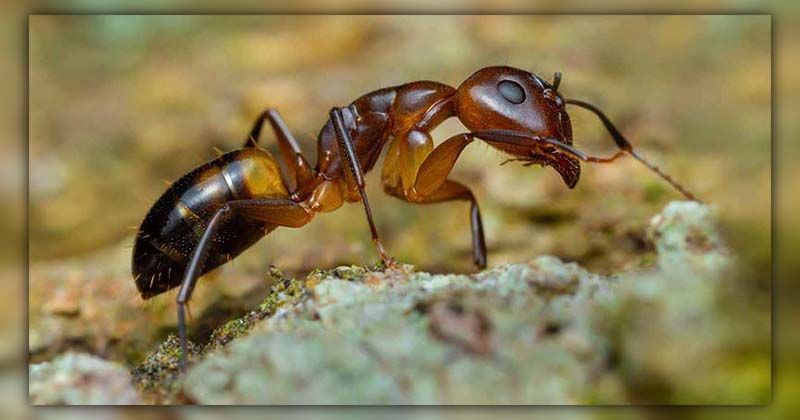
77 378
541 332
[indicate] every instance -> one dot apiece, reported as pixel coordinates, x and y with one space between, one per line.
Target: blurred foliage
115 100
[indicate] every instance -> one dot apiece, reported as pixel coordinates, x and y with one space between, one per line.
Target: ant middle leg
451 190
281 212
356 175
432 186
299 171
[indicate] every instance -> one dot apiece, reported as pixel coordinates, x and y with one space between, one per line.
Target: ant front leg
299 171
279 212
432 186
346 148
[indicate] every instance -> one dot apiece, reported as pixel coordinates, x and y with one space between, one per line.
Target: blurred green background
119 103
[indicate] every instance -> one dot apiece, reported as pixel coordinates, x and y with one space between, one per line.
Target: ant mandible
213 213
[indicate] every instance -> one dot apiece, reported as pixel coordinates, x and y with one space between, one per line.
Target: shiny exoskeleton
218 210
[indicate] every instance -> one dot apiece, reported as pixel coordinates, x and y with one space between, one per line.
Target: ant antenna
556 81
663 175
626 147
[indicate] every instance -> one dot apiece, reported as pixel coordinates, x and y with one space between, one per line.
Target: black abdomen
173 226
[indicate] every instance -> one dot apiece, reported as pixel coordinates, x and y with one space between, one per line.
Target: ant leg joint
225 210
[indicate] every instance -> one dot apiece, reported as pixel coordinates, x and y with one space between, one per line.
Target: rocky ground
540 332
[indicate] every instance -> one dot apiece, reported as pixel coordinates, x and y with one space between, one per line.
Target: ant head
509 99
506 98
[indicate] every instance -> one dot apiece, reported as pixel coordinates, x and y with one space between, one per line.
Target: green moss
158 376
285 291
233 329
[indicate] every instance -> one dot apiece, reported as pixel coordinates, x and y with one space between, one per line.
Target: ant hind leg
279 212
299 171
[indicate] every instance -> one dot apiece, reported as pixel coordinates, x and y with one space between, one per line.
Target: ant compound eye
512 91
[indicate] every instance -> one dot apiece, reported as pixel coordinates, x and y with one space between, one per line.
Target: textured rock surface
536 333
76 378
90 305
541 332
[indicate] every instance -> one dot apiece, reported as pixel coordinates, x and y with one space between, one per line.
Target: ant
213 213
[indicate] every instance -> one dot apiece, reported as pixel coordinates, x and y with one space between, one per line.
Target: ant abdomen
173 226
